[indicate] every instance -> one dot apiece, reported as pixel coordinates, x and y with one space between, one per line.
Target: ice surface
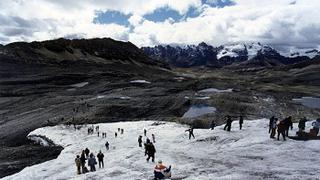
311 102
198 110
217 154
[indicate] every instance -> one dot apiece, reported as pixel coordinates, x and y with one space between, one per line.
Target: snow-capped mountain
245 53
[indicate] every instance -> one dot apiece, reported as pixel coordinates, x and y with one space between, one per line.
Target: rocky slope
245 55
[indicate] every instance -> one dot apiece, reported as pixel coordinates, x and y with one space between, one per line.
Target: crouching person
161 171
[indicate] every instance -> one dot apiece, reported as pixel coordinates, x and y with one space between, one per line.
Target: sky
282 23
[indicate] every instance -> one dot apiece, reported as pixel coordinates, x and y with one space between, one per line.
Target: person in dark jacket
153 138
87 151
78 164
122 130
140 141
115 134
212 125
302 124
107 145
240 122
228 124
281 127
190 132
271 123
150 151
145 132
92 163
100 157
288 124
83 160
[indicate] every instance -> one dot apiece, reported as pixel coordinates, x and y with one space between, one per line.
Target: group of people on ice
87 156
283 126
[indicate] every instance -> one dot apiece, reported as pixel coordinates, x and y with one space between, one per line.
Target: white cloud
282 23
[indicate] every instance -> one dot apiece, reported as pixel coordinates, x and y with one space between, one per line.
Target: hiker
78 164
282 130
100 157
97 128
145 132
115 134
316 126
190 132
98 133
153 138
271 123
161 171
107 145
118 129
288 123
240 122
150 150
87 151
302 124
122 130
228 124
273 127
92 163
140 141
212 125
83 160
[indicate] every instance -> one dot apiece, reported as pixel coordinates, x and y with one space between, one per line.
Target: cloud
284 23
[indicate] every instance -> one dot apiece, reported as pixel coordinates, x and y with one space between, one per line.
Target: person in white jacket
316 125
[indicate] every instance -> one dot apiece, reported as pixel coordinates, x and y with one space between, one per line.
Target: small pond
199 110
311 102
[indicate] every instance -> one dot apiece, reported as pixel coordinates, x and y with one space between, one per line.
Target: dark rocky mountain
242 55
79 51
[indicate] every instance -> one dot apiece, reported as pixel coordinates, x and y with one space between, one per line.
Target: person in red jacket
161 171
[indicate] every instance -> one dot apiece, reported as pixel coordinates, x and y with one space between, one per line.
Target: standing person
87 151
212 125
145 132
100 157
273 127
282 130
302 124
288 124
92 163
97 128
153 138
228 124
98 133
83 161
150 151
107 145
115 134
78 164
140 141
271 122
118 129
316 126
190 132
122 130
240 122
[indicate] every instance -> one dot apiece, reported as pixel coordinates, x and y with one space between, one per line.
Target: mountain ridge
225 55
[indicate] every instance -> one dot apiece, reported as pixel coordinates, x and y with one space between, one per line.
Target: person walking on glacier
92 163
78 164
228 124
140 141
100 157
240 122
190 132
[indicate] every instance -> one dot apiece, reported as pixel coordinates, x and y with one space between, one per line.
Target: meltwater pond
199 110
311 102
